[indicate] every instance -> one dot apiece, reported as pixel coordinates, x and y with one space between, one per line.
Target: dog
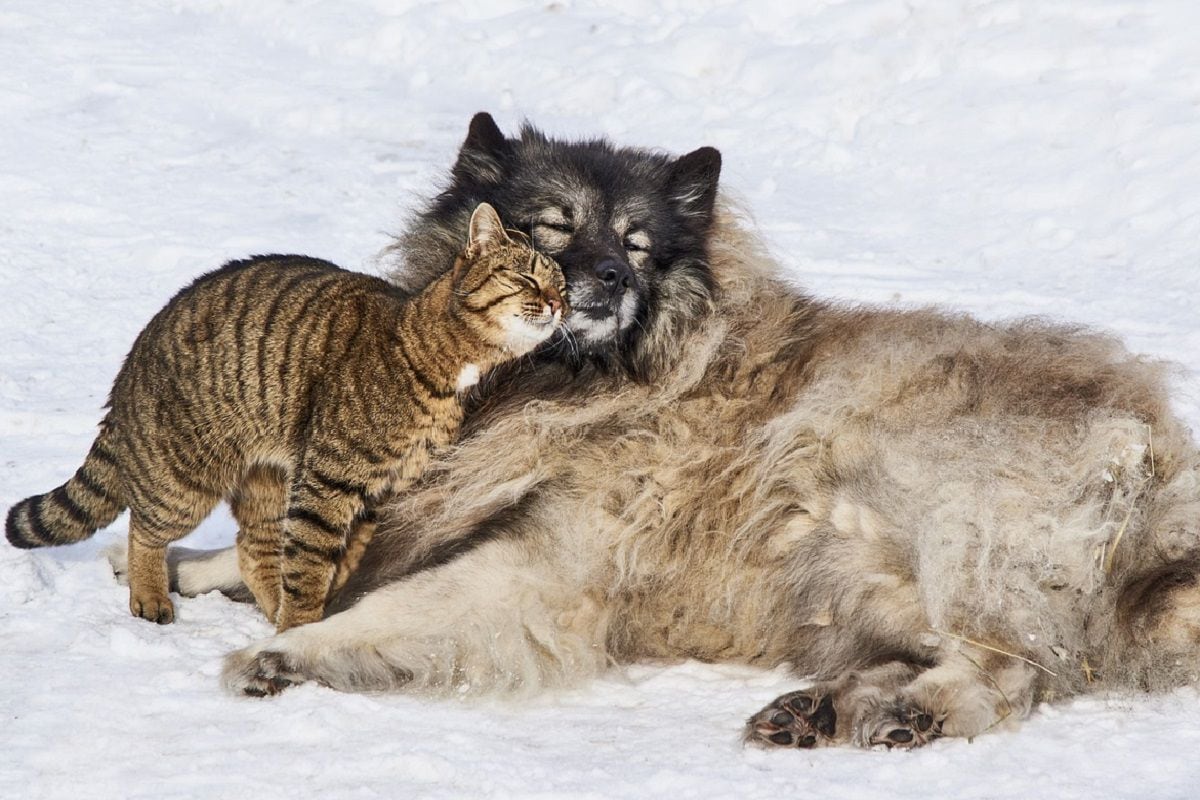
941 522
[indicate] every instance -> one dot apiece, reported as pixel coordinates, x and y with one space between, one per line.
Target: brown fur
268 382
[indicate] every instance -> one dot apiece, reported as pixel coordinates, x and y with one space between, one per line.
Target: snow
1004 157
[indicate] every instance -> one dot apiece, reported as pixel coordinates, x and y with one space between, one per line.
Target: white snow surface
1003 157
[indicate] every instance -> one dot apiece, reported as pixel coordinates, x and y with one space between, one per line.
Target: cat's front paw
254 672
152 606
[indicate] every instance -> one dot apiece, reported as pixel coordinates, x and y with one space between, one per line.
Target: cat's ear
485 230
484 153
692 182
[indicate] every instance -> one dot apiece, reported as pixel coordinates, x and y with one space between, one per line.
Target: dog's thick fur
941 520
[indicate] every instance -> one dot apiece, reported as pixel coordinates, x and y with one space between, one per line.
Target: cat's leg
336 478
148 587
361 534
494 619
321 513
969 691
193 572
190 572
259 504
152 526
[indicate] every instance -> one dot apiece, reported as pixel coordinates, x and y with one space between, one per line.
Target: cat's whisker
571 343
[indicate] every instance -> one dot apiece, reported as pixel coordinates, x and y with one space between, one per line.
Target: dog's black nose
614 274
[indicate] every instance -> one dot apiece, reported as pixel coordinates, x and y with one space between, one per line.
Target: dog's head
628 226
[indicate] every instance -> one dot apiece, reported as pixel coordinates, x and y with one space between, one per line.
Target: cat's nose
553 306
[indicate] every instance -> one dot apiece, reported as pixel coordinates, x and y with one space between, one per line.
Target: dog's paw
898 726
803 719
258 673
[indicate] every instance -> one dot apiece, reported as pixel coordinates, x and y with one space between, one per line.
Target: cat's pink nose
554 305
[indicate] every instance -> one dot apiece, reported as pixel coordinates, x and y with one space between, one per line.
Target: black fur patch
380 567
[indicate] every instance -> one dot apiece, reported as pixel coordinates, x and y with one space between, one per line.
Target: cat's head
514 293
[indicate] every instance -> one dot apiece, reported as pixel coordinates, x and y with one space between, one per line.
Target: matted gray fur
939 520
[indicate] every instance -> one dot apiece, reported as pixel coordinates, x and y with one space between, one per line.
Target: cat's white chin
521 335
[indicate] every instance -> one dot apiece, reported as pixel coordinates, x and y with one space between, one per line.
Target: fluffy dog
940 520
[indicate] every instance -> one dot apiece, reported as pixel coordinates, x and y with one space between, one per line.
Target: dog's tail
90 500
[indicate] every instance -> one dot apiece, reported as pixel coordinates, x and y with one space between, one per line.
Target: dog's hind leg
827 713
898 705
969 692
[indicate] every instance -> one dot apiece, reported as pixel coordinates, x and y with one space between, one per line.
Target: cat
303 394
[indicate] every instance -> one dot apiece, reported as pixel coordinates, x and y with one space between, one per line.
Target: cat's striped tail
90 500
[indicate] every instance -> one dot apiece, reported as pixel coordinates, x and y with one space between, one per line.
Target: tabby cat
303 394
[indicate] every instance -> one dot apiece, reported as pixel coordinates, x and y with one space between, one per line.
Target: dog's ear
484 153
692 182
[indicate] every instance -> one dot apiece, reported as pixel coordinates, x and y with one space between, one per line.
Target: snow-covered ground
1006 157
